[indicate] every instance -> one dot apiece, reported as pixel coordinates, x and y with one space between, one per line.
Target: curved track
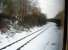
23 39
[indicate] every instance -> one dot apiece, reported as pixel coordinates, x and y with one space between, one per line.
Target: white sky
51 7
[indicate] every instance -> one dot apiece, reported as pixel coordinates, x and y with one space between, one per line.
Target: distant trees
15 7
25 11
8 7
1 6
18 7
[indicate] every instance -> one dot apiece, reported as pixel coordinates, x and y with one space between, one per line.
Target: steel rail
21 39
31 39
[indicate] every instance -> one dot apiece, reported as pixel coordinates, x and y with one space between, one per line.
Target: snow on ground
50 39
5 41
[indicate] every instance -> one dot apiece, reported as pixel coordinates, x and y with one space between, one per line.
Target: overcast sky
51 7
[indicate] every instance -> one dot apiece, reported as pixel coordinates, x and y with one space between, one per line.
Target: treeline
22 11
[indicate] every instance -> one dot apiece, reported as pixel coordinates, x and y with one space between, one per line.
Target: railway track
31 39
34 34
